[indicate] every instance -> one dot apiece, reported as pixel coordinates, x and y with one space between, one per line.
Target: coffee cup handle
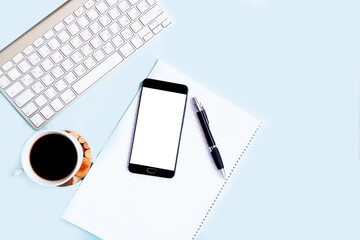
17 172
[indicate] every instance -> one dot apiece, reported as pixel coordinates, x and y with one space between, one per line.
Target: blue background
293 64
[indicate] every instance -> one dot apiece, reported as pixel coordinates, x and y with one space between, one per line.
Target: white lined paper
113 203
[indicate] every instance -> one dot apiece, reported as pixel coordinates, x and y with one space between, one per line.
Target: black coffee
53 157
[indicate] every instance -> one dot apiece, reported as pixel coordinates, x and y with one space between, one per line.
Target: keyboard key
127 50
4 82
51 93
7 65
79 11
47 65
148 36
111 2
18 57
86 35
34 59
57 104
57 57
89 4
40 100
104 20
37 120
153 25
70 78
38 42
124 21
47 80
67 64
1 72
117 41
49 34
37 72
95 27
76 42
69 19
27 80
80 70
105 35
86 50
143 6
151 2
47 112
97 73
92 14
114 28
114 13
133 13
89 63
54 44
133 2
14 74
60 85
44 51
96 42
60 26
136 26
14 90
63 36
28 50
83 22
38 87
99 55
73 29
137 42
151 15
24 97
101 7
77 57
157 29
127 34
57 72
166 22
29 109
24 66
68 96
67 50
123 6
108 48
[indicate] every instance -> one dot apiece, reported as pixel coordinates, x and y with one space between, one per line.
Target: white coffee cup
26 164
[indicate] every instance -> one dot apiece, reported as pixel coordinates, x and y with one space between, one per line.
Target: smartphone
159 123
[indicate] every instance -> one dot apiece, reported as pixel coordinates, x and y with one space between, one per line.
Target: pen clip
205 115
201 108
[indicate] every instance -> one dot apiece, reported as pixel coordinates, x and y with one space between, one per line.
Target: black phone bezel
165 86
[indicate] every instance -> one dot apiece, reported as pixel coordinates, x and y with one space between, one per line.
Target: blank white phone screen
158 128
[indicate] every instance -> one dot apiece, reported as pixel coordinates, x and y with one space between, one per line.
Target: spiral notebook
113 203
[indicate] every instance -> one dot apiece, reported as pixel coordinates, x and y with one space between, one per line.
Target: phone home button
151 170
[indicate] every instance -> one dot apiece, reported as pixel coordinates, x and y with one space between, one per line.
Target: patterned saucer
86 164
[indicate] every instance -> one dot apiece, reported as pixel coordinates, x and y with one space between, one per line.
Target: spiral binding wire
226 180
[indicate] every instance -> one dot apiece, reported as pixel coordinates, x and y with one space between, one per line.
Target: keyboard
67 53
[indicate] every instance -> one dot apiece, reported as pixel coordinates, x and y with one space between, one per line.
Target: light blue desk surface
293 64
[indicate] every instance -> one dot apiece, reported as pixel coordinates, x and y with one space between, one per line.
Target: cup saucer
86 163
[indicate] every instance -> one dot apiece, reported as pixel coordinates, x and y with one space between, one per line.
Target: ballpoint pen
204 121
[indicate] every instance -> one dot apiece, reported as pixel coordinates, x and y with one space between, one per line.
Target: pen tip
223 173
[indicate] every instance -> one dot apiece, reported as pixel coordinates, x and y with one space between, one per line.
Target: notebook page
113 203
